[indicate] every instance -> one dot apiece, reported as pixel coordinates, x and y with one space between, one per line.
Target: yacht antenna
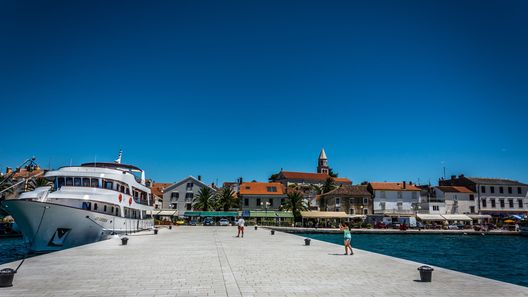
118 160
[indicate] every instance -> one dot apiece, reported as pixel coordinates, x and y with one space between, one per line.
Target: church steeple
322 163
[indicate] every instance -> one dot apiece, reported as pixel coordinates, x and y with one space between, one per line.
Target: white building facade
395 197
180 195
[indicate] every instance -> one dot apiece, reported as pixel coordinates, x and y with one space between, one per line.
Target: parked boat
523 227
84 204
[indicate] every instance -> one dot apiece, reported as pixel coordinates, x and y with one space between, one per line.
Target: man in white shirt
240 224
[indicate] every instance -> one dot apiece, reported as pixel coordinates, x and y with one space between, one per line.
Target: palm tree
34 183
225 199
295 203
204 200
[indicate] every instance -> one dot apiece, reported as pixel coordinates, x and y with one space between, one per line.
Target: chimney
199 177
461 176
404 185
410 183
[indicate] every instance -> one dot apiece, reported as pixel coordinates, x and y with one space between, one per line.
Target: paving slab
211 261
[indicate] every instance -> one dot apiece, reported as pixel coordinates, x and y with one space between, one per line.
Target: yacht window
77 181
95 206
61 181
86 182
104 208
122 188
117 211
69 181
112 209
127 190
108 185
95 183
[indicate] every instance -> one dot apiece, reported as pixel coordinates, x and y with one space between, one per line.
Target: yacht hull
51 227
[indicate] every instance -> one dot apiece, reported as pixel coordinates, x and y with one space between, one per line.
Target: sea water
503 258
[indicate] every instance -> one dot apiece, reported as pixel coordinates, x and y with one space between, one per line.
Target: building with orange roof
261 196
157 193
455 200
398 198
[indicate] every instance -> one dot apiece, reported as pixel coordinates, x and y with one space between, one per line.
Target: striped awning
324 214
457 217
163 212
211 214
270 214
477 216
430 217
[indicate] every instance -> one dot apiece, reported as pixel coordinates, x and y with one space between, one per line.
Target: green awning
211 213
270 214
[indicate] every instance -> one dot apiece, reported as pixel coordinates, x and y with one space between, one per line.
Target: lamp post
265 204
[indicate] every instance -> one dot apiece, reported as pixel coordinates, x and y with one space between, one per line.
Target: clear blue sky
393 90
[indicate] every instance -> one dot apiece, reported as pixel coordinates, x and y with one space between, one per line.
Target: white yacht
85 204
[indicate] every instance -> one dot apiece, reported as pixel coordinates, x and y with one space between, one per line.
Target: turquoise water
503 258
12 249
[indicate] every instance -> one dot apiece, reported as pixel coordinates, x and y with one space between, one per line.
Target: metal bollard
124 240
426 273
272 232
256 227
6 277
307 241
155 231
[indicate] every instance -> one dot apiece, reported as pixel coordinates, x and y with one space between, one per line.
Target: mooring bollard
272 232
170 227
155 231
124 240
256 227
307 241
426 273
6 277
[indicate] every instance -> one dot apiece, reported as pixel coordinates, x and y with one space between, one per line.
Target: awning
477 216
430 217
270 214
457 217
324 214
357 216
211 214
169 213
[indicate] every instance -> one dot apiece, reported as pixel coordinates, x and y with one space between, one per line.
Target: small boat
84 204
523 227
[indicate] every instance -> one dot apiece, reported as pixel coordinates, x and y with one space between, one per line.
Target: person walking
347 238
240 224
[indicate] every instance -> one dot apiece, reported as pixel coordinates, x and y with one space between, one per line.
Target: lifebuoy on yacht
129 200
120 198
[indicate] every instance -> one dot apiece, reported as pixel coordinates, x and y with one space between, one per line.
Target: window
337 209
189 195
338 200
501 190
272 189
501 201
246 202
365 211
483 189
69 181
510 190
436 207
471 197
77 182
519 190
175 195
117 211
104 208
190 186
351 211
510 202
112 210
94 183
472 209
520 202
492 189
189 206
270 202
95 206
108 184
493 205
282 201
61 181
365 201
484 204
86 182
400 205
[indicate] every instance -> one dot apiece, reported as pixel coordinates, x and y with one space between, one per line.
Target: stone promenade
210 261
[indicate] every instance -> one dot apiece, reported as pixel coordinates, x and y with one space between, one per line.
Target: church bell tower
322 163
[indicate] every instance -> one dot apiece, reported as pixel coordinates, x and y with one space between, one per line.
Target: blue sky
394 90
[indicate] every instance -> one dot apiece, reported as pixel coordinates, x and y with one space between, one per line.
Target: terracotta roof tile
392 186
349 190
454 189
258 188
157 188
312 176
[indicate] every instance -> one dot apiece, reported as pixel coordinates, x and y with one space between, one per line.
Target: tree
295 203
225 199
204 200
328 186
332 173
273 177
34 183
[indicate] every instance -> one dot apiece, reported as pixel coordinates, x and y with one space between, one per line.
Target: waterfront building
395 198
157 194
494 196
261 196
353 200
180 195
456 199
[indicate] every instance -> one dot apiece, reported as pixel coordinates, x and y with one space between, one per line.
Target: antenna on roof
118 160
